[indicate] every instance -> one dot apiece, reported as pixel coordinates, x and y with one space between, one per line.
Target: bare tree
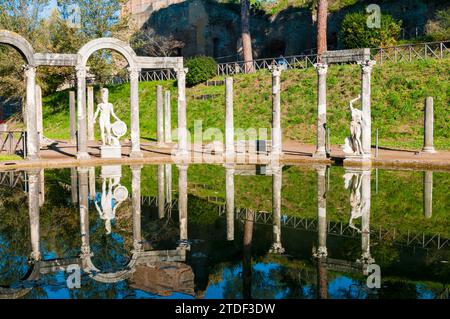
246 38
322 13
148 43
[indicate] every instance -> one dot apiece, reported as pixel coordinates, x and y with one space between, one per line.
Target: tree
322 13
246 38
147 42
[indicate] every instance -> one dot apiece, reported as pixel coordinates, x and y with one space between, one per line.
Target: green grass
398 93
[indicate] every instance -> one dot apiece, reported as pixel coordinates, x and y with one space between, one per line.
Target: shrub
439 29
201 69
355 33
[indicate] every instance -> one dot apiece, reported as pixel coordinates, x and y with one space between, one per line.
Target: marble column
41 188
92 190
229 191
40 127
74 185
229 120
277 178
276 112
182 203
167 118
428 140
182 130
366 257
33 212
134 118
72 117
322 279
247 256
168 168
366 138
90 113
321 251
31 114
161 188
136 206
81 112
159 115
83 178
428 193
322 69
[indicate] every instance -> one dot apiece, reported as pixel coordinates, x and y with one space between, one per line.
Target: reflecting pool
224 231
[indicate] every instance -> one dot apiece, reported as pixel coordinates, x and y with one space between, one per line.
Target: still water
211 231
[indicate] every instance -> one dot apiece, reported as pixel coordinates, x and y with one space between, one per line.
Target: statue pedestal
358 160
110 151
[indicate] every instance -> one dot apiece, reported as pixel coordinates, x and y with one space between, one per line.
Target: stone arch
106 43
16 293
19 43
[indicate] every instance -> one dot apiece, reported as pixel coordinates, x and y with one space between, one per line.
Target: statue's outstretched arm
114 114
354 100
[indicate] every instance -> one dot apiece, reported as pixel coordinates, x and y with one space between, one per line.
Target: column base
320 253
136 154
229 157
428 150
277 249
320 154
363 160
83 156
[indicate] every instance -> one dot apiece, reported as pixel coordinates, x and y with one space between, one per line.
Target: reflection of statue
353 143
113 194
353 181
106 110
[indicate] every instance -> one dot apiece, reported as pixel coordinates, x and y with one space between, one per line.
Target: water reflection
250 253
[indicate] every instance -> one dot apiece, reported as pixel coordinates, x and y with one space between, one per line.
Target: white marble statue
353 181
353 143
106 110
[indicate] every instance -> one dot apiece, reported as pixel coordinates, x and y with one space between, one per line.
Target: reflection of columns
31 115
90 113
83 179
33 212
161 200
428 193
136 206
168 184
182 202
159 115
40 128
41 188
229 120
321 251
81 106
322 279
72 117
322 69
167 118
182 133
92 183
277 178
276 112
247 256
134 118
366 258
229 190
366 69
428 142
74 185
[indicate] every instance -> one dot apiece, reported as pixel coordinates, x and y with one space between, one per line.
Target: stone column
277 178
247 255
229 190
366 70
41 188
33 212
428 193
161 199
92 190
83 177
74 185
167 118
322 69
31 114
229 120
366 258
136 206
168 168
81 111
159 115
40 127
321 252
276 112
134 118
182 133
182 203
90 113
72 118
428 141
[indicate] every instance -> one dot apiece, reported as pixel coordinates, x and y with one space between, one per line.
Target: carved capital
81 72
30 71
133 73
322 68
276 70
366 66
181 72
320 253
277 248
182 167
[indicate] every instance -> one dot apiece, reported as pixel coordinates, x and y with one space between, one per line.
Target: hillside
398 92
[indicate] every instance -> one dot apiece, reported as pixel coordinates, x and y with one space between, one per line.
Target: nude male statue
106 110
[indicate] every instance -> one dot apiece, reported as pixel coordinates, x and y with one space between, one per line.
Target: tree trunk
322 12
246 38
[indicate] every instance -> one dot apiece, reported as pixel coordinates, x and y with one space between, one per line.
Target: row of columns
163 117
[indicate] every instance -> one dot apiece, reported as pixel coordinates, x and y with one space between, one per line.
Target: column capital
181 71
321 68
81 71
182 167
321 169
30 71
133 72
276 70
366 66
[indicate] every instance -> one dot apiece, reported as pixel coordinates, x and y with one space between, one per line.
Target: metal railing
13 142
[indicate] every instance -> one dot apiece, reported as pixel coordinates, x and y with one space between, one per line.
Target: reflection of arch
106 43
19 43
113 277
16 293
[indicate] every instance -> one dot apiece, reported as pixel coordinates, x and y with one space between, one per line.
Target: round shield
119 128
121 193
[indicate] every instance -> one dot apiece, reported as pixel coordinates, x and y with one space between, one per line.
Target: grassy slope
398 91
